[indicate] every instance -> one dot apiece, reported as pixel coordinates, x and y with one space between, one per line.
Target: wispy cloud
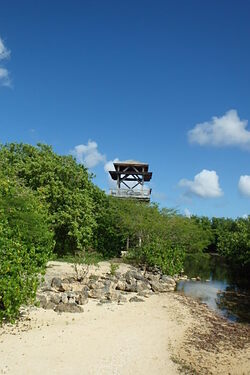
4 73
244 185
227 130
187 213
204 185
88 154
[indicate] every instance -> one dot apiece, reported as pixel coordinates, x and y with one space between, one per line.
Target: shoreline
167 333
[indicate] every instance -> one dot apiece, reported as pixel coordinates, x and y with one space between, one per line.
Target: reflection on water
221 288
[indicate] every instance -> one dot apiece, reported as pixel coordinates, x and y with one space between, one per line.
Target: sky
162 82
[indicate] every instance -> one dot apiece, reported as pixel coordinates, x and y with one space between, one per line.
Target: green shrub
161 253
234 244
63 184
26 244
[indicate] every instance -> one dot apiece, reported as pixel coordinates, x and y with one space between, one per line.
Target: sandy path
134 338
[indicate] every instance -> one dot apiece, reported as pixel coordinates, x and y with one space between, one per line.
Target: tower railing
129 193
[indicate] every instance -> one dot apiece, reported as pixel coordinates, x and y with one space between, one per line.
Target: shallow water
221 288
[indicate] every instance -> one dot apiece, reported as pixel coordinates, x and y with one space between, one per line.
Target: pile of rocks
70 294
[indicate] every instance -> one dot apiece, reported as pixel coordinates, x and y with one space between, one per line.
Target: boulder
134 274
56 283
152 277
81 298
55 298
168 279
43 299
131 286
136 299
68 307
49 306
64 298
142 285
121 285
158 286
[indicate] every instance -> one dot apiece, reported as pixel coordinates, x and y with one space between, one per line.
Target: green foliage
63 184
113 268
26 243
156 237
109 234
234 244
161 253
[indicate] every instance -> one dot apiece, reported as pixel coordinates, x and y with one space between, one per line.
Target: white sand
134 338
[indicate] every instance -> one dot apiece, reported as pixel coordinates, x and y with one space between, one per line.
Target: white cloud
4 53
187 213
244 185
88 154
4 77
109 165
245 216
4 74
228 130
204 185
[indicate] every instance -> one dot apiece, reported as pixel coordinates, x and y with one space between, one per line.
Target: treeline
49 206
227 237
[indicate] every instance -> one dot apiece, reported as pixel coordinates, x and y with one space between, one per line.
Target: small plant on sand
113 268
81 269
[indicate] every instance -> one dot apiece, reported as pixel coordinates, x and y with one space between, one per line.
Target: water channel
220 286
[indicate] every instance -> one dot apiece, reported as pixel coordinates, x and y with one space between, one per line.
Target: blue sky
164 82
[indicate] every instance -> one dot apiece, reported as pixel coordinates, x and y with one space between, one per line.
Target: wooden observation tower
130 176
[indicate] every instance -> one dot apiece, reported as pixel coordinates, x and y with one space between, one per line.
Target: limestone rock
68 307
142 285
158 286
136 299
56 283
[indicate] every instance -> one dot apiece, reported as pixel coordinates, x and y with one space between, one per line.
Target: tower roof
131 167
128 164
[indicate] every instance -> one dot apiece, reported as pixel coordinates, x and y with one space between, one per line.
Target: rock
71 297
103 301
137 275
152 277
96 293
56 283
113 296
81 298
68 307
158 286
198 278
193 278
64 298
95 284
142 285
121 299
145 294
69 280
109 286
136 299
49 306
121 285
45 286
43 299
168 279
131 286
55 298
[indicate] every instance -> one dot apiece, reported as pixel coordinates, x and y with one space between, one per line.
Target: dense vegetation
229 238
26 243
49 204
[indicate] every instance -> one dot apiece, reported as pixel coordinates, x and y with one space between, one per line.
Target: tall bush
26 243
63 184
